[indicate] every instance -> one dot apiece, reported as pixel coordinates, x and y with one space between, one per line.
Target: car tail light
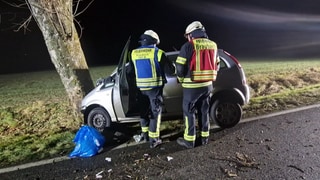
233 58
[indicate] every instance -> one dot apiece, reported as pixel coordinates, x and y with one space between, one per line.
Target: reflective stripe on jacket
147 68
188 83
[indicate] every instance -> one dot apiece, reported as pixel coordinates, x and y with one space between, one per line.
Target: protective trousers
196 102
156 101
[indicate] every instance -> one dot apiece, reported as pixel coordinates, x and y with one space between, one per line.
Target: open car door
120 93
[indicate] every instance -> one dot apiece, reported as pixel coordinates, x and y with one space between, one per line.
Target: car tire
99 119
225 114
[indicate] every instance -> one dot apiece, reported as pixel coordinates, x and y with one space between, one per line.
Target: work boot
187 144
154 142
144 137
204 140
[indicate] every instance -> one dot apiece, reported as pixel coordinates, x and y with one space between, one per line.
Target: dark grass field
35 120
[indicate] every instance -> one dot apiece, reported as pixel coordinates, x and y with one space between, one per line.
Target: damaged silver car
113 99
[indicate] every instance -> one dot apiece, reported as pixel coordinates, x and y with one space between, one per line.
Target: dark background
246 29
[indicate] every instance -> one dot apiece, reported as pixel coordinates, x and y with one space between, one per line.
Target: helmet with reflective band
194 26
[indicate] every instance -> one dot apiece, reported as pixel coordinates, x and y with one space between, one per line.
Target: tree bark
55 20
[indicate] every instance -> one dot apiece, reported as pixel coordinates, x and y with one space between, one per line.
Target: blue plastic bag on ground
88 142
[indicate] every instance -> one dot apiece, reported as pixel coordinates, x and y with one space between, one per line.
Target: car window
172 56
222 64
169 71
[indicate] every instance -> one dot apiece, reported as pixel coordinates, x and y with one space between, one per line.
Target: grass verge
35 120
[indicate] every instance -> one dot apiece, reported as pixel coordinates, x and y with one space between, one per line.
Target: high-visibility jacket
197 63
146 61
203 65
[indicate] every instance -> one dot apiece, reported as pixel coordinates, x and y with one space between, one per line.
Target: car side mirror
99 81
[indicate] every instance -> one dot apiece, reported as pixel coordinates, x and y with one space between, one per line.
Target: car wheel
99 119
225 114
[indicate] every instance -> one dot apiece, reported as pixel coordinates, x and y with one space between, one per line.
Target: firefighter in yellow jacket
196 66
149 62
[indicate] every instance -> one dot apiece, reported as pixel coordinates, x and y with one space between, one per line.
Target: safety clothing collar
199 34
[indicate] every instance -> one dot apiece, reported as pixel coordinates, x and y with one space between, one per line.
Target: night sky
246 28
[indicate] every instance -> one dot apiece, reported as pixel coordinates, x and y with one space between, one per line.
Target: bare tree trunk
55 20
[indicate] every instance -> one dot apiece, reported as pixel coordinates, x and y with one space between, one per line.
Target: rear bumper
247 95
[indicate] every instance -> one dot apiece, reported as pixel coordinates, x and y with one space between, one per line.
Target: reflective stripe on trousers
156 101
196 100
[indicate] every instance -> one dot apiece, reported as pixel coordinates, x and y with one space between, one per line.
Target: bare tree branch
81 28
20 5
76 9
24 25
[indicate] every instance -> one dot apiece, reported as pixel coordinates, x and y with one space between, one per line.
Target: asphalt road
284 145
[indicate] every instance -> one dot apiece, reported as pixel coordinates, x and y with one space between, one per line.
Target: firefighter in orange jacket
196 66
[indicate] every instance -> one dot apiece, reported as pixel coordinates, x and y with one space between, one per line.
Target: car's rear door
172 92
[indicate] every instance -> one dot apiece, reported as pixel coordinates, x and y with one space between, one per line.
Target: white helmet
194 26
152 34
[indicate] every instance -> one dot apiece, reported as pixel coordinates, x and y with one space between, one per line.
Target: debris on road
98 175
108 159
